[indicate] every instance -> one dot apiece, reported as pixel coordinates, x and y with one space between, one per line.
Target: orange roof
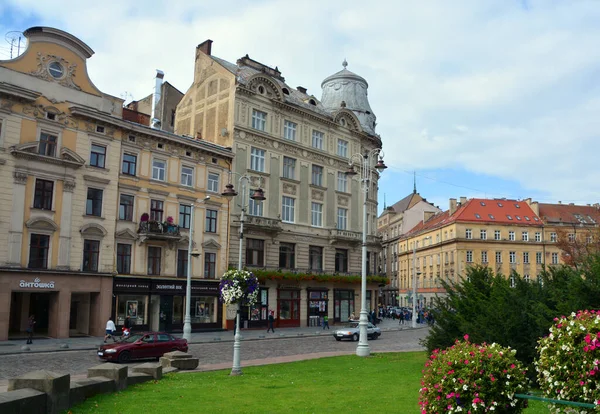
570 214
480 210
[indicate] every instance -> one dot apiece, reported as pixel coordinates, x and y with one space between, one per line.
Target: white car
352 331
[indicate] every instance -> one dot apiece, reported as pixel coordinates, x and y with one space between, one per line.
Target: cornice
18 92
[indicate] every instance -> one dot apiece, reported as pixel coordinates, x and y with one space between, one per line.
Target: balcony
344 236
264 224
157 231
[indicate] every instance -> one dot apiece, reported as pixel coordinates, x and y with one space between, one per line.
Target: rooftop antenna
415 182
384 205
17 41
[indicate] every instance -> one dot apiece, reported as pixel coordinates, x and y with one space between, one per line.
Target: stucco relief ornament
44 71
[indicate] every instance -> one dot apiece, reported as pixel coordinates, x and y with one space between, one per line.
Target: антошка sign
36 284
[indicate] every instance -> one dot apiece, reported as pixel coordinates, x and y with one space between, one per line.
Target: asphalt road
77 362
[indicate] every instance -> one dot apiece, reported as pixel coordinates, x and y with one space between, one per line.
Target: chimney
463 200
158 80
535 207
452 205
559 202
301 89
427 215
204 47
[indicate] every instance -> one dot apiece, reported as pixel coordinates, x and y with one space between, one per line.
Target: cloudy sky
479 98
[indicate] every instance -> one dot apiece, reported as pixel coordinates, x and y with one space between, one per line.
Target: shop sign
37 283
166 286
131 286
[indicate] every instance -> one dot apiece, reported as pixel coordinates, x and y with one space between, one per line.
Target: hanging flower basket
238 286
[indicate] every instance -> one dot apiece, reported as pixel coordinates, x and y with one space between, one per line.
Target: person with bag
30 326
110 329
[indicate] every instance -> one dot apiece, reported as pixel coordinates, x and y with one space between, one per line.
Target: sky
473 98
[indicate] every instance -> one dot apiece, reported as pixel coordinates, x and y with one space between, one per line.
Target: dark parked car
351 331
142 346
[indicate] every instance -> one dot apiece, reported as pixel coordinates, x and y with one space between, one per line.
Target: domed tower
347 89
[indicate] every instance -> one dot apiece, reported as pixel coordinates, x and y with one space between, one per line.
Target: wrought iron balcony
155 230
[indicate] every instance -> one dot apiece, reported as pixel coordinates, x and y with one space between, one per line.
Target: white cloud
490 87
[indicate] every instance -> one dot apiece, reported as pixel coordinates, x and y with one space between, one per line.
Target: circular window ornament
56 70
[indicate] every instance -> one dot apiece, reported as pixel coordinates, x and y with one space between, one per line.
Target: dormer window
286 91
312 102
100 129
261 90
499 204
509 217
51 116
482 203
160 146
131 138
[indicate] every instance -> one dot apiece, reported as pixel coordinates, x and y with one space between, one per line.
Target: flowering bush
472 378
568 366
170 220
238 286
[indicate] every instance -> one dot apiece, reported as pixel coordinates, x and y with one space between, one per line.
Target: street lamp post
364 162
187 322
414 291
257 195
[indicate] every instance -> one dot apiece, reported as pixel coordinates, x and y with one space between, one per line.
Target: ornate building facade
297 148
76 179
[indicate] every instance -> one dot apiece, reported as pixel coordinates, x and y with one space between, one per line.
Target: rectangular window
126 207
484 257
512 257
483 234
210 225
525 257
98 156
289 130
123 258
159 168
39 245
259 120
255 207
342 148
538 237
342 218
511 235
93 205
316 214
315 258
469 256
341 261
185 216
287 209
571 237
43 194
210 265
129 164
287 255
497 235
255 252
257 160
154 256
342 181
182 263
525 236
47 145
554 258
317 175
498 257
187 176
156 210
91 251
317 140
468 234
553 237
538 257
213 182
289 168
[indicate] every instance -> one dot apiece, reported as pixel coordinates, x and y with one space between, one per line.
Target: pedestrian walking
271 322
325 322
30 326
110 329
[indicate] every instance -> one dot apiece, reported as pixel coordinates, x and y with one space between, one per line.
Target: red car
142 346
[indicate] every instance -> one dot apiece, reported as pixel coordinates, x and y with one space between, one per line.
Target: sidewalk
13 347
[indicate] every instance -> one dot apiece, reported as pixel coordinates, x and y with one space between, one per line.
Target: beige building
393 223
76 180
297 148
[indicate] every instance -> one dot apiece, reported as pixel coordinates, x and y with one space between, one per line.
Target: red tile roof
569 214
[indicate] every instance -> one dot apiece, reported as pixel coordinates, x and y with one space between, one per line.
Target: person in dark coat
271 322
30 326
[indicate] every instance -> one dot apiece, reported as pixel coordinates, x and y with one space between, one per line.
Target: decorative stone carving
317 195
39 111
6 105
289 189
342 201
42 71
290 149
20 177
265 86
69 186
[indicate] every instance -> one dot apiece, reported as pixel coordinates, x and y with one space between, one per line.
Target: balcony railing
263 223
155 230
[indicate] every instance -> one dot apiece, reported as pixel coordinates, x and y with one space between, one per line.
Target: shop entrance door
39 306
166 314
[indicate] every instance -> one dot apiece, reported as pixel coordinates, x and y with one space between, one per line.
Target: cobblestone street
77 362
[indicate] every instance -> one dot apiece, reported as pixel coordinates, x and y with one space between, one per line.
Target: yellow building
64 175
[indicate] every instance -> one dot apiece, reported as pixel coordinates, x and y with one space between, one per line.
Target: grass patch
387 382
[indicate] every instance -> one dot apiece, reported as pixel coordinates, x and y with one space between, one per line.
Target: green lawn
382 383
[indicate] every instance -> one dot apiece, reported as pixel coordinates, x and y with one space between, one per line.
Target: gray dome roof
351 89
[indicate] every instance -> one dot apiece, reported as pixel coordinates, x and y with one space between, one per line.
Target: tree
577 243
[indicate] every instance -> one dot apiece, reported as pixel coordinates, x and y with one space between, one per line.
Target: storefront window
259 311
134 306
317 307
344 305
289 304
204 309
